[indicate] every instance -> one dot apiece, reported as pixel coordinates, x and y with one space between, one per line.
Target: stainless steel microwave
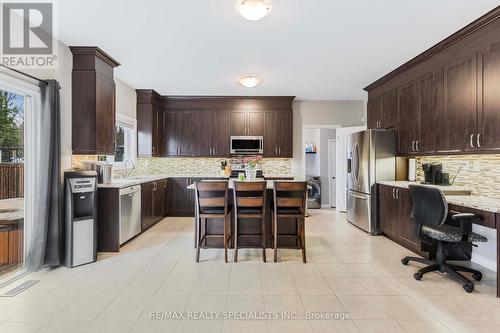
247 145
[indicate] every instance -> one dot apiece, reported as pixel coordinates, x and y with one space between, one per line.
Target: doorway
18 99
316 164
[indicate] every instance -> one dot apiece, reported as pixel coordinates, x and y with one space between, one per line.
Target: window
124 142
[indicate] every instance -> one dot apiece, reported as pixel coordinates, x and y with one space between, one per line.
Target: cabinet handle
276 150
478 140
472 141
397 193
394 193
413 146
155 186
279 150
153 150
417 145
210 149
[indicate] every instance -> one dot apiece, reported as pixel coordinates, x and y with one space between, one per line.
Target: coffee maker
432 173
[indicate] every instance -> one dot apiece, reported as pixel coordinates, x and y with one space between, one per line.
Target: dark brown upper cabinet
488 136
150 124
382 111
93 101
278 137
177 137
447 97
431 127
460 100
202 126
221 133
408 118
247 123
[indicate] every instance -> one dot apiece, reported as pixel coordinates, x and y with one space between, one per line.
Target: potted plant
251 166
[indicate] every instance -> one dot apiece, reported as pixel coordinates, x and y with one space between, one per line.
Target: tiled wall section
188 166
480 172
202 166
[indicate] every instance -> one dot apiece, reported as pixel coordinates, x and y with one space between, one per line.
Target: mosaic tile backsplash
480 172
202 166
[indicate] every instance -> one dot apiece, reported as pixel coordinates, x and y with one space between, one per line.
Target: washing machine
314 192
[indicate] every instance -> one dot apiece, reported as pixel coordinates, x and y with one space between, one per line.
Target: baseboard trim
485 262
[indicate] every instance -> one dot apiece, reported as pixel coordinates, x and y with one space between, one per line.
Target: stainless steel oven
247 145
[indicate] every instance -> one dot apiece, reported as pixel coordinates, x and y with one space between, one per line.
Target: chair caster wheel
469 287
417 276
405 261
477 276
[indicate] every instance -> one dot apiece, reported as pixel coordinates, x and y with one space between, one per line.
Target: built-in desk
394 214
488 209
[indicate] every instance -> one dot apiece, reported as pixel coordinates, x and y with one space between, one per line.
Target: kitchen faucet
125 174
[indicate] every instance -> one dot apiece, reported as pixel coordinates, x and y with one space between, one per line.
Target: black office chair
429 213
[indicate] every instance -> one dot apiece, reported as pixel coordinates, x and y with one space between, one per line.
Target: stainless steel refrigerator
371 157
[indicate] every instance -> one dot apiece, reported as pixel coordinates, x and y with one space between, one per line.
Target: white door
332 173
341 165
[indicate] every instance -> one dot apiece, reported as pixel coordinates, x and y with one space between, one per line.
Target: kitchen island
251 227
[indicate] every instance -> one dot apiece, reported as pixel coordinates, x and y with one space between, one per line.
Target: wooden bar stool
290 202
211 203
250 203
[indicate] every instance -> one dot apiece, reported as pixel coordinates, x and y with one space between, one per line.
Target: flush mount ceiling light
253 10
249 81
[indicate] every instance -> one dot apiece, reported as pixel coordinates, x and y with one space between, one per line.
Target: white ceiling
313 49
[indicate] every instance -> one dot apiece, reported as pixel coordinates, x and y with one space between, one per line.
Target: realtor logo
27 34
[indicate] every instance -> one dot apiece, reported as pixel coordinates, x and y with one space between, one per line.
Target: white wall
325 135
345 113
126 99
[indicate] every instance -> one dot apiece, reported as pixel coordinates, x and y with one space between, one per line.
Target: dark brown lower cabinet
394 209
146 205
388 210
153 203
179 204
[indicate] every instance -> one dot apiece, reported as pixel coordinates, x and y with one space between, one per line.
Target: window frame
130 141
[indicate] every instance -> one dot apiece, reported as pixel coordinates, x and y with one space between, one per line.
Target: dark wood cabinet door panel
146 205
255 123
286 134
389 110
460 103
179 202
184 133
144 130
489 113
432 127
271 133
406 228
105 115
221 133
159 132
170 145
202 133
408 118
373 113
238 123
388 210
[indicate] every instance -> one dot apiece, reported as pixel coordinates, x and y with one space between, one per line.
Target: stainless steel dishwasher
130 212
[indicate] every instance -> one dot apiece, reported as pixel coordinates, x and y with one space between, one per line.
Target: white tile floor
348 272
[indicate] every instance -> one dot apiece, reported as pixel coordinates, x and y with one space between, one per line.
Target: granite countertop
270 184
475 201
448 190
137 180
